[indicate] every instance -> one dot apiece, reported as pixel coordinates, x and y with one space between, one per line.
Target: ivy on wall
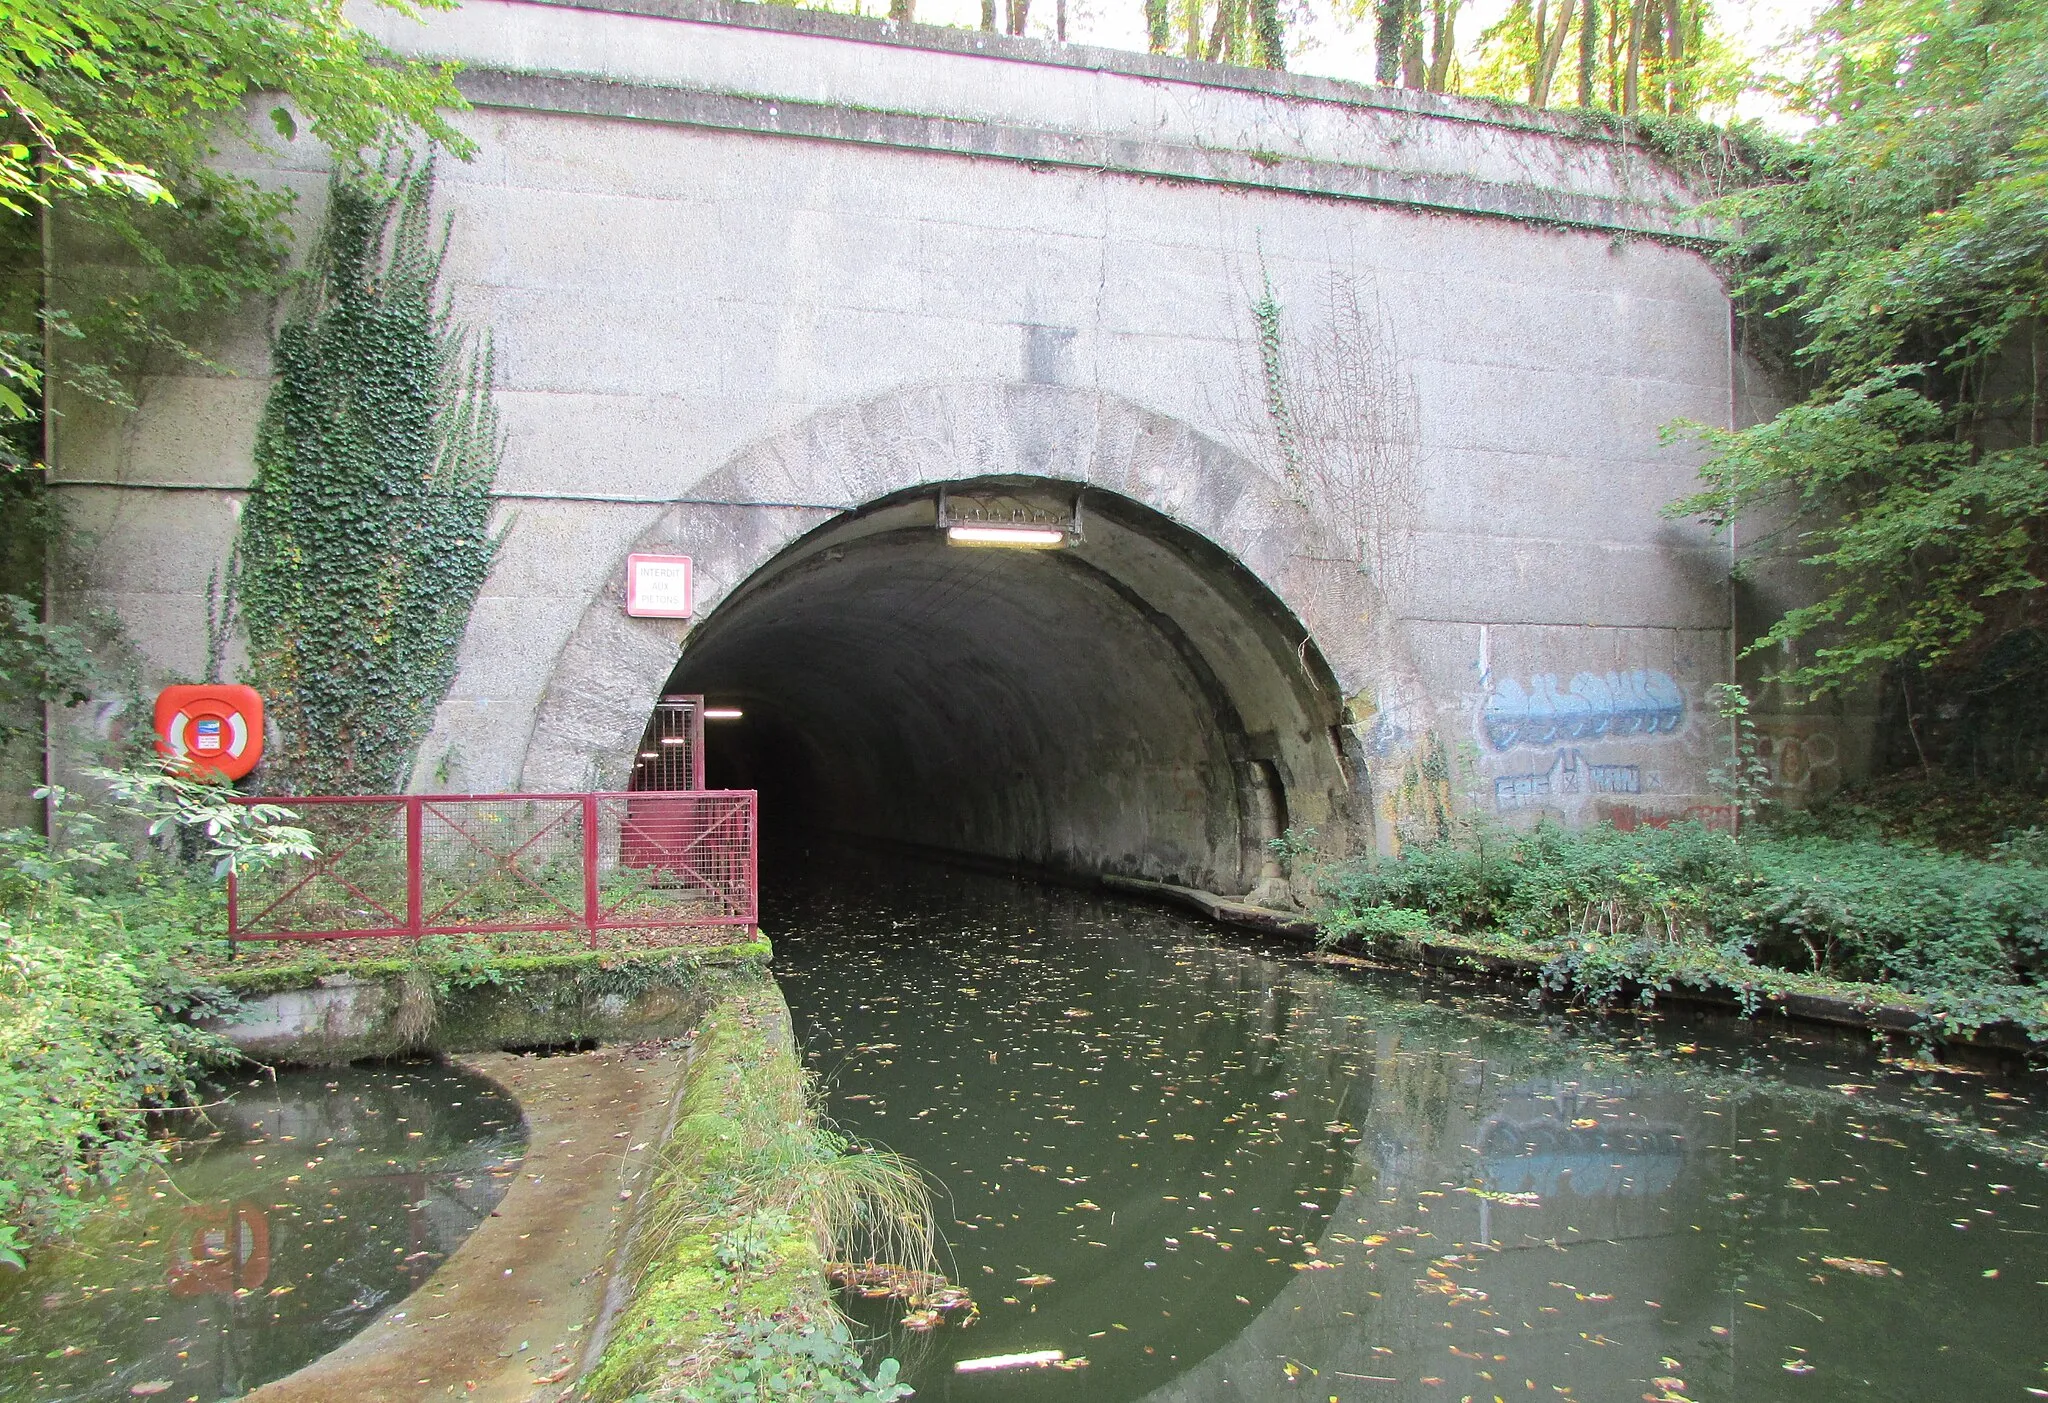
368 535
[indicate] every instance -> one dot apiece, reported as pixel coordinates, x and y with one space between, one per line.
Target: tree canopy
1897 258
111 115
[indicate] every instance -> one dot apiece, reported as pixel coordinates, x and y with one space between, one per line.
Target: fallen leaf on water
144 1390
1862 1266
1041 1279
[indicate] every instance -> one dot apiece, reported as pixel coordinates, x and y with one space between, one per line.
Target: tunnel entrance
1132 702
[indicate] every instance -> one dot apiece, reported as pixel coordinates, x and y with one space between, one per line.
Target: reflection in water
1248 1176
303 1208
1542 1141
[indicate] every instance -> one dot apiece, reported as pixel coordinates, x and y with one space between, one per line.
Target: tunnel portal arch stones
800 262
843 460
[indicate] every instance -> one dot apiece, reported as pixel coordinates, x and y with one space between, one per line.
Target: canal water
295 1211
1216 1172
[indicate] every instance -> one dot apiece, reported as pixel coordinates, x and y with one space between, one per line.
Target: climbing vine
368 534
1266 312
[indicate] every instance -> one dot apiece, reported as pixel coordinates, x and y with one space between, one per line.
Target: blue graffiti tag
1568 774
1636 703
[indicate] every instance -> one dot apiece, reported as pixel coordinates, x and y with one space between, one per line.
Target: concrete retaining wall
750 269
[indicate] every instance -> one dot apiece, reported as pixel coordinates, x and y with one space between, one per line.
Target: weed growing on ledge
1965 939
751 1198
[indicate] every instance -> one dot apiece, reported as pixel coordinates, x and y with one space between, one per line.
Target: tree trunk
1615 31
1589 51
1412 59
1217 48
1675 99
1386 43
1653 54
1443 43
1059 25
1019 10
1539 24
1633 64
1269 34
903 11
1553 51
1158 24
988 15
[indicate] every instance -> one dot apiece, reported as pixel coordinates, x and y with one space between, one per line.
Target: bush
1656 905
93 1002
90 1035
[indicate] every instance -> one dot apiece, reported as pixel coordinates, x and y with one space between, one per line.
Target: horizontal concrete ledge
1872 1016
926 134
1089 58
1220 908
603 498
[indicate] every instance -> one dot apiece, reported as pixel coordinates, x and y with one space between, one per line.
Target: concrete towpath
508 1317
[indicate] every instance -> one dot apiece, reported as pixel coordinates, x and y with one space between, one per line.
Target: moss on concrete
327 1011
711 1251
254 980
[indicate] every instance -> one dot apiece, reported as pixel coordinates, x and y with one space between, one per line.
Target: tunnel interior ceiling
1121 705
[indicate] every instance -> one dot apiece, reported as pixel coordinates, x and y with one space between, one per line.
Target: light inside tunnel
1134 703
1026 537
723 713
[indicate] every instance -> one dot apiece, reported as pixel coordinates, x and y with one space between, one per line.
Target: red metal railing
461 864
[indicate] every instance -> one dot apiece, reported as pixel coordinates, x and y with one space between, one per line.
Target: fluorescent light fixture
1023 537
649 754
675 740
722 713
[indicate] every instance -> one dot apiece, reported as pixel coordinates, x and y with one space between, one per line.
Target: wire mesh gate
474 864
672 747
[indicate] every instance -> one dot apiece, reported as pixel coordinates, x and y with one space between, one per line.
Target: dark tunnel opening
1134 703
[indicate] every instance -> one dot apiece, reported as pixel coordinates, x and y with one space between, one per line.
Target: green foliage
1744 776
749 1244
1370 924
769 1359
39 662
91 1037
1901 255
1266 312
368 535
237 837
1656 906
750 1198
1939 810
112 111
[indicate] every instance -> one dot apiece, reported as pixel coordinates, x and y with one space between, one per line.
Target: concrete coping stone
1090 58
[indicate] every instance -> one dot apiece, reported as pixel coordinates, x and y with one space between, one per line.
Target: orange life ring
224 1248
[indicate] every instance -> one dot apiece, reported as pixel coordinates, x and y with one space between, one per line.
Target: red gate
462 864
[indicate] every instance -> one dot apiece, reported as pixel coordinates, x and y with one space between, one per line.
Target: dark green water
307 1206
1250 1176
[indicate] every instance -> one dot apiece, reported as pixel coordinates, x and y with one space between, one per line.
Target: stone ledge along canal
1219 1171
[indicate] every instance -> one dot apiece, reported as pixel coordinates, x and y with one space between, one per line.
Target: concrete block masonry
760 279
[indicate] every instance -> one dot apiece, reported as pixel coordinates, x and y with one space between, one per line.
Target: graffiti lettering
1568 775
1594 707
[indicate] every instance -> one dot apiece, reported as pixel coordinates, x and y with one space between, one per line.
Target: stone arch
762 505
